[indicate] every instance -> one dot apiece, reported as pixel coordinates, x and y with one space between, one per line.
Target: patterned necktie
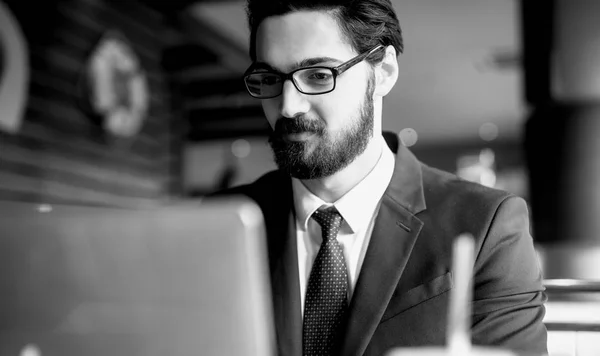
326 304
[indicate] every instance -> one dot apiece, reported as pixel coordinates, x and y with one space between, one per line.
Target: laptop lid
176 280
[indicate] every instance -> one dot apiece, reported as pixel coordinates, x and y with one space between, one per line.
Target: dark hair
365 23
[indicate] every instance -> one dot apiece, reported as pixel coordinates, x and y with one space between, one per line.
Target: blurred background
138 103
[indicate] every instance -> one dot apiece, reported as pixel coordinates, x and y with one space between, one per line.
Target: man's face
315 136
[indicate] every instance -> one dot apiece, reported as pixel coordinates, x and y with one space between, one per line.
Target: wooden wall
60 154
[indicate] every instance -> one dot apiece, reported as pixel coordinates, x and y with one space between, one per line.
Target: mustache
285 126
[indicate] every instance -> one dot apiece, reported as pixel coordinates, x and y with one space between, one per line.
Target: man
359 237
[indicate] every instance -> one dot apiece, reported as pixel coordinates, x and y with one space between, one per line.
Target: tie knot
330 221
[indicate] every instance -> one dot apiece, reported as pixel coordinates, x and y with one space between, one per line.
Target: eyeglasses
265 84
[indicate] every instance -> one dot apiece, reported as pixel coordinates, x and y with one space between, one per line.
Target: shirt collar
358 205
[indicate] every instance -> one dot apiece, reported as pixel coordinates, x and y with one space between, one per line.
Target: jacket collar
406 187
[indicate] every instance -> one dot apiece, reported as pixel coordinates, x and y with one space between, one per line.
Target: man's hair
364 23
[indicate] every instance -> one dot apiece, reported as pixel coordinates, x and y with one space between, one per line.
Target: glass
314 80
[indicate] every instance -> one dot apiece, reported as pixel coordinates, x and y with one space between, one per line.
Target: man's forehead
286 40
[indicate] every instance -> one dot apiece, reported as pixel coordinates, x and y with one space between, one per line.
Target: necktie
326 293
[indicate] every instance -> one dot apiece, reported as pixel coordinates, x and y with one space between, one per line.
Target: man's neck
331 188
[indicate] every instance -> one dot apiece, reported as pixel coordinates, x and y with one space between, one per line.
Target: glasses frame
336 71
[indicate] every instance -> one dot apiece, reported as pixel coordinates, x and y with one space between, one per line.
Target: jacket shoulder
271 183
441 184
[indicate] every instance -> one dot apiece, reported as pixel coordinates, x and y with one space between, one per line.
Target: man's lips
298 136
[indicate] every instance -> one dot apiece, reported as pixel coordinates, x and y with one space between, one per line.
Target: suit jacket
402 293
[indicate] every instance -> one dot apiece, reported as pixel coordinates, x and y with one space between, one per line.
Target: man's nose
293 102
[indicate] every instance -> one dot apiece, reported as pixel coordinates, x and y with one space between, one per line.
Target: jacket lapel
394 234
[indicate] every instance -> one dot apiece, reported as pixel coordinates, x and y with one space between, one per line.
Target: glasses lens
315 80
263 85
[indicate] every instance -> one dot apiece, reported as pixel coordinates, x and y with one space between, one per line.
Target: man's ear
386 72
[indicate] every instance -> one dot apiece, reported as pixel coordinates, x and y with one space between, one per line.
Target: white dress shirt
359 208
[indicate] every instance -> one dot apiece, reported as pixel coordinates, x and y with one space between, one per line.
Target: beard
331 152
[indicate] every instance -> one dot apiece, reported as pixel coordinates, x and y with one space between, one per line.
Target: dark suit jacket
401 296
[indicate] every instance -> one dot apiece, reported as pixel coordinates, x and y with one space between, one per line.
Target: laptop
176 280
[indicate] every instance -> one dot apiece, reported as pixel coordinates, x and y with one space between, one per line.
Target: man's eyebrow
308 62
314 61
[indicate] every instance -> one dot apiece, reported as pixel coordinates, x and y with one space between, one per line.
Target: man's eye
320 76
317 76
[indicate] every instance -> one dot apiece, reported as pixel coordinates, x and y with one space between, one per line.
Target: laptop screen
175 280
